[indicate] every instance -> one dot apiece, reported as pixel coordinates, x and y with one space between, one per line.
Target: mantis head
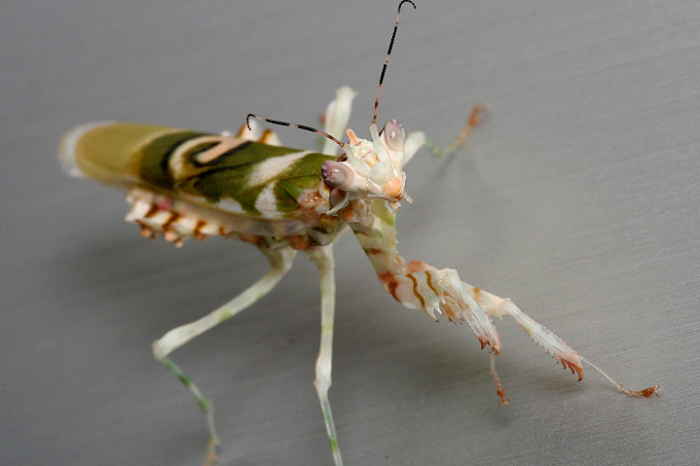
369 169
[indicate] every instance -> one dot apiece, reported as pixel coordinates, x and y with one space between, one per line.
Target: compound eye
337 174
394 135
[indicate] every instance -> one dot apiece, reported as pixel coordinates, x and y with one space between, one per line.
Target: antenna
294 125
386 60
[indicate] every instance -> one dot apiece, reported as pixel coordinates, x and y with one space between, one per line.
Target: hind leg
281 261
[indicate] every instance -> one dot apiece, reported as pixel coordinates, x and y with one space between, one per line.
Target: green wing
229 174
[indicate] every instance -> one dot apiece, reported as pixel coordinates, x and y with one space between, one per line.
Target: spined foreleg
497 306
441 292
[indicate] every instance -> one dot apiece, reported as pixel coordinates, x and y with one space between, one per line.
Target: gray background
578 198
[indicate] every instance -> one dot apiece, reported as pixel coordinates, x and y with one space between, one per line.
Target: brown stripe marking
390 284
415 291
174 216
198 230
373 251
393 284
152 210
429 281
477 292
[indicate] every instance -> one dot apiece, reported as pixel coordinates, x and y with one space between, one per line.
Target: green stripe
227 176
156 154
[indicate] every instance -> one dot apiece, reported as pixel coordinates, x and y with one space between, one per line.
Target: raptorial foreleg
497 306
418 285
442 292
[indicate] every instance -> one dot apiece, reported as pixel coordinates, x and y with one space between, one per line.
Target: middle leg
323 258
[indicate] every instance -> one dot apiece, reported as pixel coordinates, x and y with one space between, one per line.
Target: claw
646 393
212 458
478 113
502 393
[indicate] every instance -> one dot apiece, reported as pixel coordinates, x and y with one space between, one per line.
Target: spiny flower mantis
188 184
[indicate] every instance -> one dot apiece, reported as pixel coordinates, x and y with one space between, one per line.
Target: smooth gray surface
578 198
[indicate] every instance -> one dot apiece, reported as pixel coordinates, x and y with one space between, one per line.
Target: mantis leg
477 114
441 292
323 258
281 261
545 338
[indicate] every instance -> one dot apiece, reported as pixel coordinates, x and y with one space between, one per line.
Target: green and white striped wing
228 173
258 187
